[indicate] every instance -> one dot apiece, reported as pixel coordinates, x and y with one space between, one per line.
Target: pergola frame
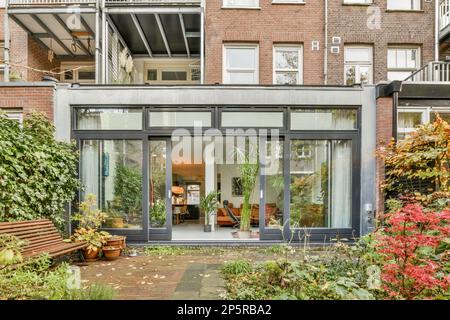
102 11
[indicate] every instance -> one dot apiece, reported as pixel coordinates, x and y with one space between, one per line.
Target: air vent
336 40
315 45
335 49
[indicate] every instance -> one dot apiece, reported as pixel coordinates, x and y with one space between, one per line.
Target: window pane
241 58
86 75
286 59
445 116
179 119
357 54
392 58
252 119
364 74
350 75
112 171
157 199
152 75
109 119
241 3
323 119
398 75
174 75
287 77
409 120
401 59
320 183
411 57
242 78
274 184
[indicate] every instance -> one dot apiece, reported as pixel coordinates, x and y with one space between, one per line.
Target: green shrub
236 267
38 174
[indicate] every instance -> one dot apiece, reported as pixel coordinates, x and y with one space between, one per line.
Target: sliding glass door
159 189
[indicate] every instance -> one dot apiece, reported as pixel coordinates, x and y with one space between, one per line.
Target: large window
241 64
410 118
287 65
403 4
402 62
108 119
320 183
241 3
323 119
112 171
157 149
358 65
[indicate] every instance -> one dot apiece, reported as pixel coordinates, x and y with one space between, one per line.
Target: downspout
395 88
325 56
202 41
97 44
6 46
436 30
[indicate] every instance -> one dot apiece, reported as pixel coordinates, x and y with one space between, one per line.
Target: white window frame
69 67
425 117
391 5
288 1
234 4
2 48
299 70
358 2
226 71
359 64
397 69
14 114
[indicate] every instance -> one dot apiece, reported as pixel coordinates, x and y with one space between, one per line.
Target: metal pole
325 54
97 44
6 48
104 47
202 42
394 114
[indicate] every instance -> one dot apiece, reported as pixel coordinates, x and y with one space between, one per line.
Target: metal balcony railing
444 14
24 3
432 72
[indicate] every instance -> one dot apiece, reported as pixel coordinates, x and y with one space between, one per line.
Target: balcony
432 72
124 41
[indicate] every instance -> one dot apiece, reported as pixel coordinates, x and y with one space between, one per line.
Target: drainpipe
6 48
97 44
436 30
325 56
395 87
202 41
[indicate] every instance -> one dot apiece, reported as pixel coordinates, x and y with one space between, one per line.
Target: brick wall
383 136
28 98
397 28
272 24
25 51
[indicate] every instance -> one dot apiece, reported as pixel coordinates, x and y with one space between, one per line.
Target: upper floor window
240 64
241 3
403 4
358 1
402 62
287 65
358 65
76 73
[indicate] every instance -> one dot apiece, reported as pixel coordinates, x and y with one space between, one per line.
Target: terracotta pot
116 223
111 252
91 255
116 241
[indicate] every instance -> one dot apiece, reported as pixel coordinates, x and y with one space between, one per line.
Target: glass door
159 189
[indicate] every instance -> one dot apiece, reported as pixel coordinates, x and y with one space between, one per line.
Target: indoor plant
249 172
209 205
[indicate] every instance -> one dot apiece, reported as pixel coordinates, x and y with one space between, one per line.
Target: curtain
341 186
90 175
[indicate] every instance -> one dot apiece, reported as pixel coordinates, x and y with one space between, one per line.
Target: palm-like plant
249 172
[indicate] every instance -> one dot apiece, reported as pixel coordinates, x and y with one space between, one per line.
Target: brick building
319 73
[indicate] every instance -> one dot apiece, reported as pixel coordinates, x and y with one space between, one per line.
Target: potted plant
249 173
209 205
111 252
95 240
116 241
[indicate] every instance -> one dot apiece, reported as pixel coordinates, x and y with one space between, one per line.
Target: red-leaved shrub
407 244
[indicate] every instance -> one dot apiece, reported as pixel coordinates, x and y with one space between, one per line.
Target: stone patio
182 276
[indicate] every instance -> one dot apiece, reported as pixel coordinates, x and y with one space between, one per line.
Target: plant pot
116 241
111 252
244 234
207 228
91 255
116 223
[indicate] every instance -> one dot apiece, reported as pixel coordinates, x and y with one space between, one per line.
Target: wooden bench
41 237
